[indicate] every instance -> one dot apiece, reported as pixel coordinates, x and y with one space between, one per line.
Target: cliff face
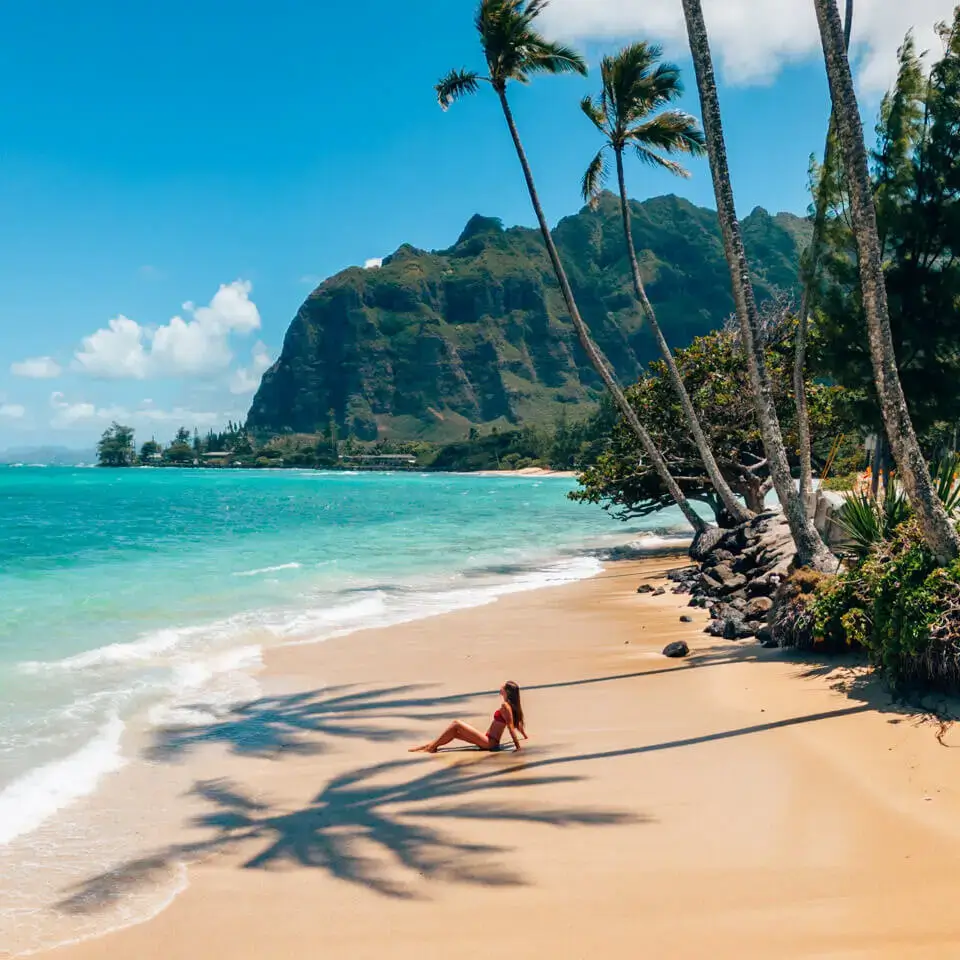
434 342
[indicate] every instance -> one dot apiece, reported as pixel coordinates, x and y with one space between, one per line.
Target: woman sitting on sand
509 716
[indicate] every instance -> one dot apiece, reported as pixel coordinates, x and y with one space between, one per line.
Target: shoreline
837 836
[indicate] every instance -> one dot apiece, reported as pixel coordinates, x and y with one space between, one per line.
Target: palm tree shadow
366 827
303 723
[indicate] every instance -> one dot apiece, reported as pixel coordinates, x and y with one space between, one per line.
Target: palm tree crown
513 48
635 84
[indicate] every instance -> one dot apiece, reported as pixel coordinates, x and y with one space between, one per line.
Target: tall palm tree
635 84
811 549
515 51
939 532
813 264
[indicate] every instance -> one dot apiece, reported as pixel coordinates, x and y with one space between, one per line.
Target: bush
846 481
791 619
901 608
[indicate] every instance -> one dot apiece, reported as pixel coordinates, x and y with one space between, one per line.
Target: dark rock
758 608
737 603
761 587
659 592
705 543
644 588
734 629
764 635
755 626
709 584
676 650
686 619
683 574
715 628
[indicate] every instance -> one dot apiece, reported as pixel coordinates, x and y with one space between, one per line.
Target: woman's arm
511 727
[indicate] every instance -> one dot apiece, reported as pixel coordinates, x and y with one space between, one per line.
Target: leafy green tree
811 550
635 86
180 450
116 448
715 373
515 51
150 450
940 534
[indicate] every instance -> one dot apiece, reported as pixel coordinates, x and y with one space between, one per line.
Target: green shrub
845 481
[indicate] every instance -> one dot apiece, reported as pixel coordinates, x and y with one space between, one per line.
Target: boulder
676 650
644 588
686 619
761 587
765 636
708 584
659 592
758 608
735 629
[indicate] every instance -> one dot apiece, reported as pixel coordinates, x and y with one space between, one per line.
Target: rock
769 643
709 584
683 574
729 581
644 588
758 608
686 619
755 626
659 592
734 629
761 587
676 650
704 543
737 603
764 635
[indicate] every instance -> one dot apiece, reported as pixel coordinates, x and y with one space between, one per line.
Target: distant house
381 461
218 458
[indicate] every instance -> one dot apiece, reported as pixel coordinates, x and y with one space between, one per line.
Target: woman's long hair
512 691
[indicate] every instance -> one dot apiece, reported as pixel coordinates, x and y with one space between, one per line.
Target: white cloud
754 39
12 411
247 379
196 346
67 415
115 352
374 263
36 368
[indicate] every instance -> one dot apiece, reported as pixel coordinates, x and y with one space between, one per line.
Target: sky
176 178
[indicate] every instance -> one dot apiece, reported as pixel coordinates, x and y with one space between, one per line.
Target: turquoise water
152 593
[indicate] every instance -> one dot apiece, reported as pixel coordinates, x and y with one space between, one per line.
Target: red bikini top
499 717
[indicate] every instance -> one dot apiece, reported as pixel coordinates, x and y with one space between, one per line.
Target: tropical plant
939 533
515 51
946 477
810 279
811 550
869 521
635 85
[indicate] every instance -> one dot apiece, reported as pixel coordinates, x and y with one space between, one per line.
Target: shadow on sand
376 827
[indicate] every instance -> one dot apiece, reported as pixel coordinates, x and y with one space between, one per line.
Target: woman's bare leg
458 730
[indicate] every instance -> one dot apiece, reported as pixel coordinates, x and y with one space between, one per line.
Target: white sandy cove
732 805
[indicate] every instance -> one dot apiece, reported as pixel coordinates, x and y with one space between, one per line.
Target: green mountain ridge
434 342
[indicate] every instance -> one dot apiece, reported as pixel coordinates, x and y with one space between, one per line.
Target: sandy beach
739 803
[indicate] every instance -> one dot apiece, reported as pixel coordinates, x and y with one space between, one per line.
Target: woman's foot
425 748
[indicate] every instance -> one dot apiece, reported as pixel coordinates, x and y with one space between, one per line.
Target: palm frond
514 48
595 112
595 178
869 522
653 159
456 85
672 131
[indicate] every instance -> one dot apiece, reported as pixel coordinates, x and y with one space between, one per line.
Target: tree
810 279
811 549
149 451
182 437
115 448
714 369
939 532
634 86
181 450
515 52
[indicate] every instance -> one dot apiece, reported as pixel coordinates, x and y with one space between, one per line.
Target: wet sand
734 804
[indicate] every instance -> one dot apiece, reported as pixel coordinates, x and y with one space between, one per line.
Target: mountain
432 343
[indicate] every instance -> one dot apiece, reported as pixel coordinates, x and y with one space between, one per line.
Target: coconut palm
809 283
635 84
515 51
939 532
811 549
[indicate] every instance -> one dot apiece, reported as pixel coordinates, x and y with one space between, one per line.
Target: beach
739 803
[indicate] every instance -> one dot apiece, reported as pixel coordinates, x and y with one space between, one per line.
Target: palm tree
811 549
939 532
635 85
810 280
515 51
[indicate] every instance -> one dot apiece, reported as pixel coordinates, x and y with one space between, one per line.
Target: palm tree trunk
586 341
811 550
729 498
938 531
816 247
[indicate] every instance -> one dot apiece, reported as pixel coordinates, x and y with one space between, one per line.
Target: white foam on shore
37 795
262 570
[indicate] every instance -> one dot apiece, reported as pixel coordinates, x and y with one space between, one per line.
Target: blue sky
211 161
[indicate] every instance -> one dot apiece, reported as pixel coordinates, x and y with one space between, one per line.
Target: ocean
147 597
